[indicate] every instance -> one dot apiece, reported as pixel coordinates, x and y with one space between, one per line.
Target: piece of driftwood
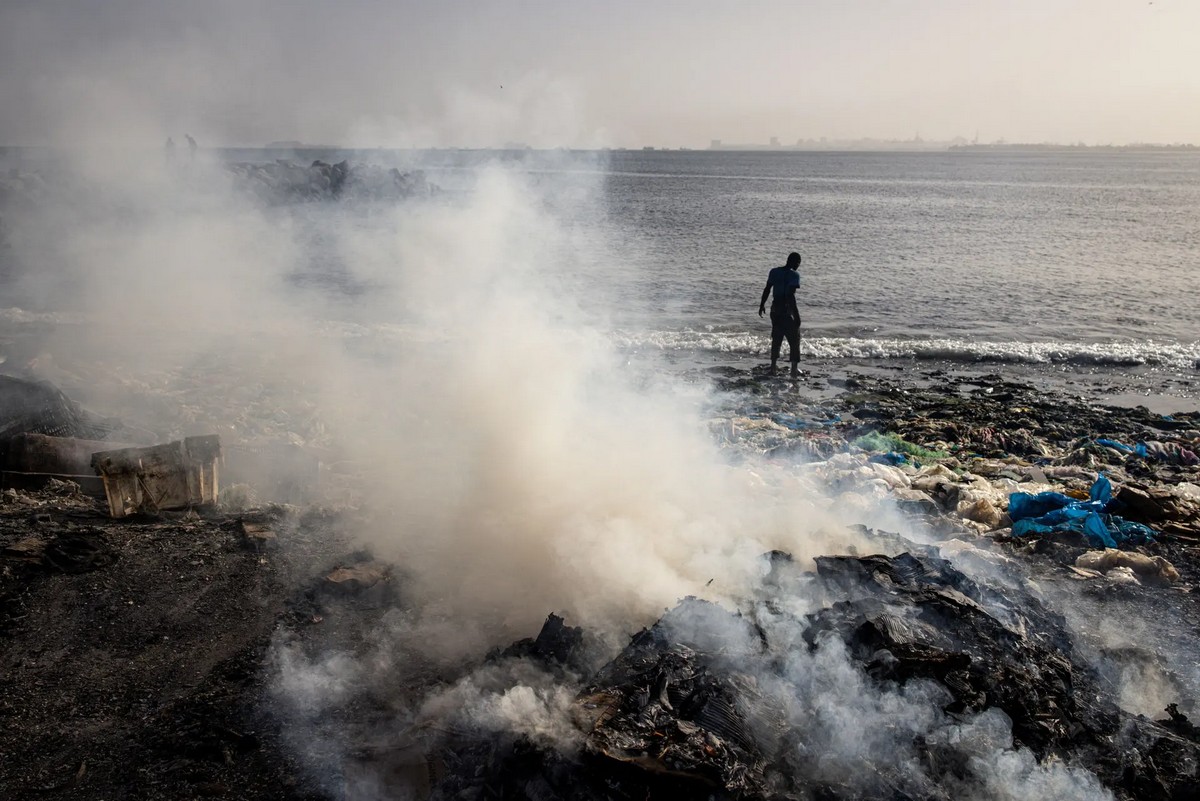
177 475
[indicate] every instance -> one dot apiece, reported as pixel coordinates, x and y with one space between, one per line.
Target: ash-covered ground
268 651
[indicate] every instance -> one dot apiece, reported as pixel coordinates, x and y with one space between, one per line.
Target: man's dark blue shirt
784 283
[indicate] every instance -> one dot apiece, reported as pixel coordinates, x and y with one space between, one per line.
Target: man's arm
762 305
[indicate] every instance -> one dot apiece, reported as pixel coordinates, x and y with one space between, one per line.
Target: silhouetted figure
785 314
170 150
191 146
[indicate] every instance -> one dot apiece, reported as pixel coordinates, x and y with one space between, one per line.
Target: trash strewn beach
148 651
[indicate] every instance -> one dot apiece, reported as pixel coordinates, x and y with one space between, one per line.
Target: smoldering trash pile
908 680
260 652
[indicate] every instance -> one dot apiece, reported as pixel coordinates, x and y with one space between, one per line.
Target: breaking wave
1110 354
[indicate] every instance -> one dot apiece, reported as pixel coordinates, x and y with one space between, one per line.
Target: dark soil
133 653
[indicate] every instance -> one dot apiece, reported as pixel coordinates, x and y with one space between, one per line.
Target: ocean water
1043 263
1020 256
1071 259
1055 266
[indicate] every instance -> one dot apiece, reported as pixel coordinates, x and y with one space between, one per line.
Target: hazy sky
620 73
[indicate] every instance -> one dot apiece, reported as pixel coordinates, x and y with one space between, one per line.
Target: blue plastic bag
1053 512
1022 505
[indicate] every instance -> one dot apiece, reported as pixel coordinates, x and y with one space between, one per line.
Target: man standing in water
785 314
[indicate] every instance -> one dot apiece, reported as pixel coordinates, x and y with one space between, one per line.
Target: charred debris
716 703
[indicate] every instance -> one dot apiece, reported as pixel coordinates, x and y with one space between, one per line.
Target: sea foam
1115 354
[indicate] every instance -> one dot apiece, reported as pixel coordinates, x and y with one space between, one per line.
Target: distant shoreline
1073 148
299 149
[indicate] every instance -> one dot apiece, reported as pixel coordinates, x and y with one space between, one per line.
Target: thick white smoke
501 451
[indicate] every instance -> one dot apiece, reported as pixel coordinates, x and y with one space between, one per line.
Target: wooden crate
177 475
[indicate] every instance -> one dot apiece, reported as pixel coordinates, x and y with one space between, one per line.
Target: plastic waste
1164 451
791 421
879 441
1053 512
892 476
1122 575
981 510
1154 568
1022 505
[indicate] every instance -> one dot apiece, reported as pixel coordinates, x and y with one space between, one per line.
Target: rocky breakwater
283 181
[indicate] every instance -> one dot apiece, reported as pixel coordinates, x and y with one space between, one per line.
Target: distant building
774 141
714 144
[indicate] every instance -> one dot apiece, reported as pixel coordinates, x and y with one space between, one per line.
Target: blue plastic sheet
1053 512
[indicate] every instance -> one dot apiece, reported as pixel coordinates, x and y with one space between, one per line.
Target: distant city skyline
590 74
